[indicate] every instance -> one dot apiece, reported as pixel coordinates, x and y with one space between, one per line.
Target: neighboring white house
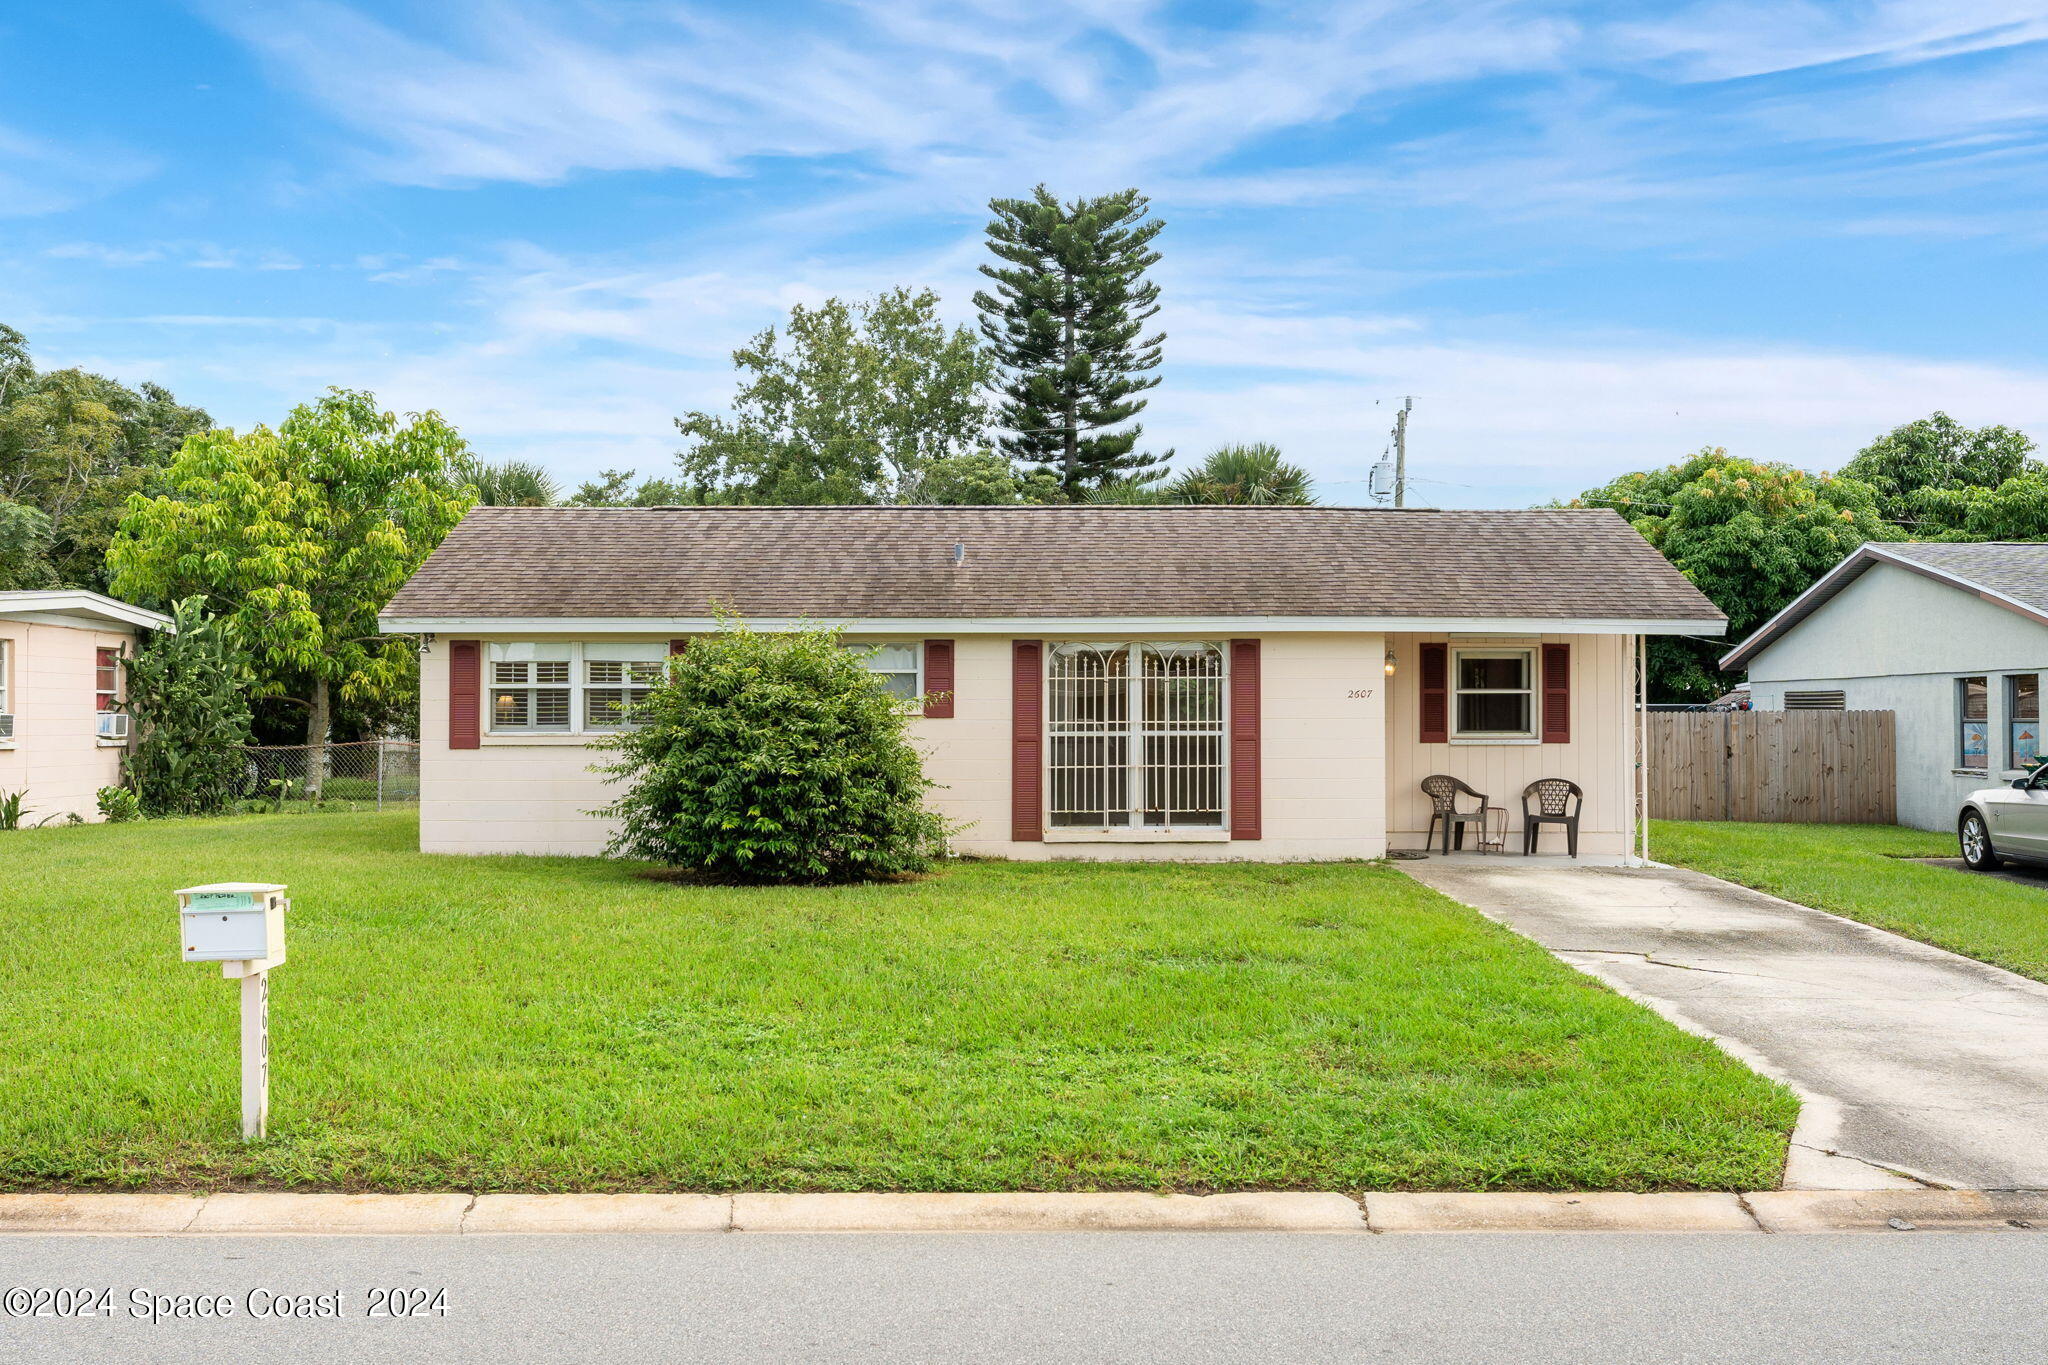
1107 682
1951 638
61 736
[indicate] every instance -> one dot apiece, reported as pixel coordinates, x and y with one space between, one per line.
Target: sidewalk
1774 1211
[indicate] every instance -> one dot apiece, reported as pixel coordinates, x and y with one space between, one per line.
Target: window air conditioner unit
113 725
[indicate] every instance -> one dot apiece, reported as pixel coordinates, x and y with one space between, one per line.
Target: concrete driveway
1913 1063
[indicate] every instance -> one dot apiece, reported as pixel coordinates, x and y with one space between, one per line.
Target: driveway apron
1914 1064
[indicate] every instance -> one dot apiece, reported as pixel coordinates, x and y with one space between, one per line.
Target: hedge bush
773 758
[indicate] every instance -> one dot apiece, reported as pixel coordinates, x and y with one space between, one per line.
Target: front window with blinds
1135 737
567 688
1973 723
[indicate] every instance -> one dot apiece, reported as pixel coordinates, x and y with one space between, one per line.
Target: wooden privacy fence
1825 767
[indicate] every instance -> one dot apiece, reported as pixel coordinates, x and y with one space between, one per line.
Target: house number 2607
1358 692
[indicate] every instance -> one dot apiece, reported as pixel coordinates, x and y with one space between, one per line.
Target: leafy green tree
74 446
853 403
24 548
510 483
773 758
1066 321
299 535
188 694
616 488
1750 536
1934 455
2016 509
1246 475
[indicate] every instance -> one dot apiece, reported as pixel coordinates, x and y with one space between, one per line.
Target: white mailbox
233 922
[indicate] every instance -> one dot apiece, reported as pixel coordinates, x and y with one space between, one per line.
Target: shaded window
2023 719
1973 712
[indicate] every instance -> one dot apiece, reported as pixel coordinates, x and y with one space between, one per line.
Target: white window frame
866 649
1136 730
6 693
1962 692
2013 721
581 654
106 698
1528 690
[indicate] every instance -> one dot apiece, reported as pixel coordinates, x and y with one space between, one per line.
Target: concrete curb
1774 1211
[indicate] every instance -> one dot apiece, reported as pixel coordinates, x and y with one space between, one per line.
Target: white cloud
1729 39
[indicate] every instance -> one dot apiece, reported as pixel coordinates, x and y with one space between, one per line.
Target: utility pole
1401 452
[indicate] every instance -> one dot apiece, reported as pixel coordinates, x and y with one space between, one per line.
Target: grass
562 1023
1861 872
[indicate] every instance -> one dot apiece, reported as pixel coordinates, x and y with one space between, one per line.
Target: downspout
1643 746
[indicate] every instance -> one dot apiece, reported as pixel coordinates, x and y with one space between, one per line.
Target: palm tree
1242 476
514 483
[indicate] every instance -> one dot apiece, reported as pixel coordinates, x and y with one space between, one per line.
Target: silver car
1998 823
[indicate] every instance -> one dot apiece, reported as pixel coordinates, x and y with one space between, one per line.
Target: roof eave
1853 566
50 605
408 624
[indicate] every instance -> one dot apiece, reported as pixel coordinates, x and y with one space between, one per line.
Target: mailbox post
241 926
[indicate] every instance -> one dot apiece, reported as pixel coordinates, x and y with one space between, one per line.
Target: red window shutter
1436 694
1245 804
1557 694
938 679
1027 744
465 687
678 646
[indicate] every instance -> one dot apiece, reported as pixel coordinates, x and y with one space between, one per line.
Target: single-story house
61 734
1103 681
1951 638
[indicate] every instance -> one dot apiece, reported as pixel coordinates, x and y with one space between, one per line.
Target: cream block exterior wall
56 756
1600 757
1323 763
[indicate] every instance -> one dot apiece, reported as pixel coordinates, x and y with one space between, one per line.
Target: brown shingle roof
853 563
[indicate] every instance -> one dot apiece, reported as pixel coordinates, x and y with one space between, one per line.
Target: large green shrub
187 690
773 758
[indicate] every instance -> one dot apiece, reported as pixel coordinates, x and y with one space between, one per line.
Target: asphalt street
1533 1297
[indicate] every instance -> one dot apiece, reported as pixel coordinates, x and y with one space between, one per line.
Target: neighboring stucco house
1119 682
61 738
1951 638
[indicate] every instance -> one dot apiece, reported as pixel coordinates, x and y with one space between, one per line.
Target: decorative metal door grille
1136 736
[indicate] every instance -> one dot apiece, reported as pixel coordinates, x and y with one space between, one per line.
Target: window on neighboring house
2023 720
897 665
1973 740
106 678
1135 736
570 688
1492 694
6 692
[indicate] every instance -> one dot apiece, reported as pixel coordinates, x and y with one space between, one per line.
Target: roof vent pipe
959 554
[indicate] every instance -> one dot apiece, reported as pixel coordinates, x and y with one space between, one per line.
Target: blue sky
1587 237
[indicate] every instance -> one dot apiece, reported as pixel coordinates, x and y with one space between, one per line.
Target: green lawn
560 1023
1862 872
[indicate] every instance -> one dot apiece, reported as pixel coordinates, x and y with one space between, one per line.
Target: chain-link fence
369 774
